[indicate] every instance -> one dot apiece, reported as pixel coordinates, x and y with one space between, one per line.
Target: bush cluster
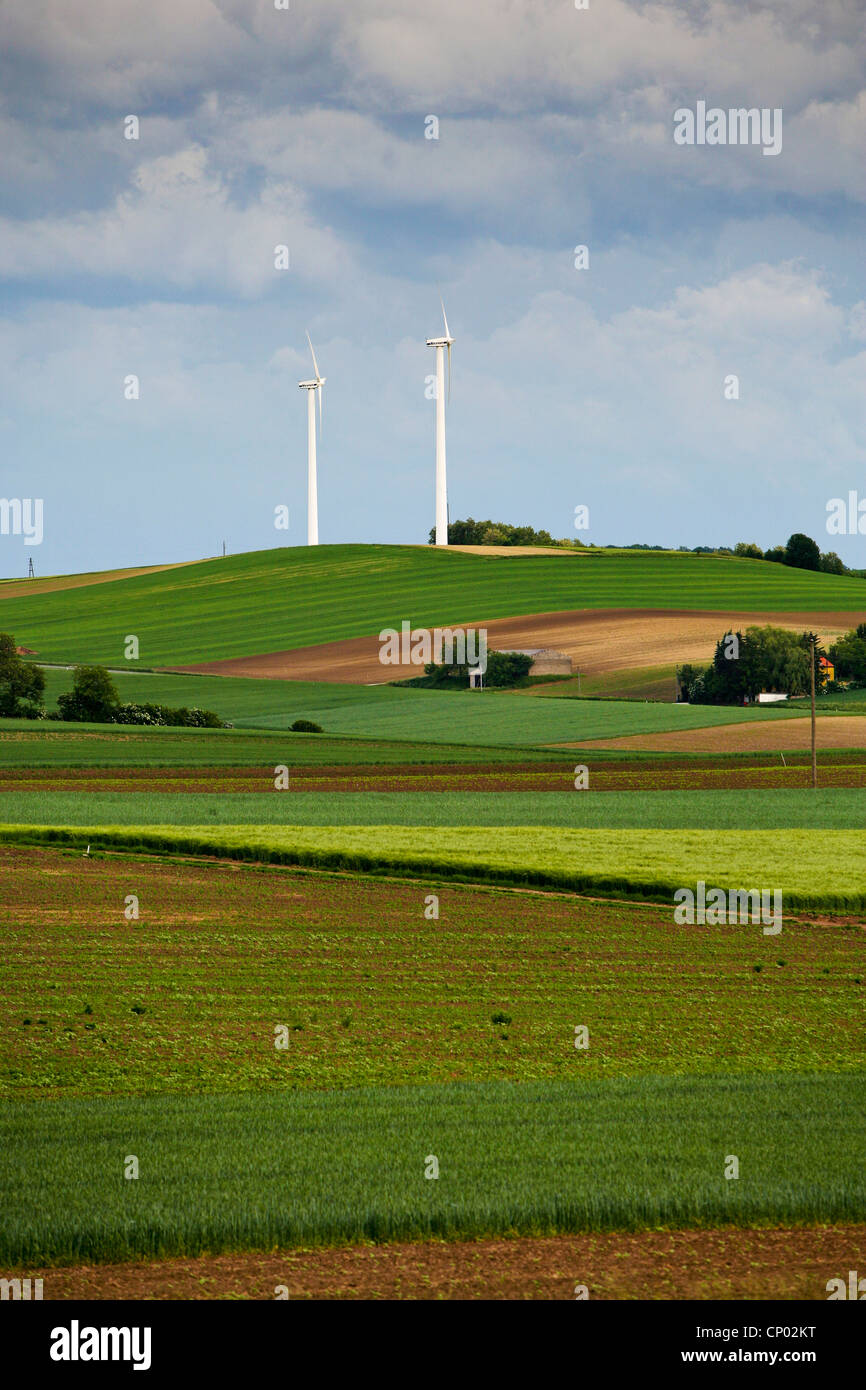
181 717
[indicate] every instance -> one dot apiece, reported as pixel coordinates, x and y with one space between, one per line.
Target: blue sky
306 127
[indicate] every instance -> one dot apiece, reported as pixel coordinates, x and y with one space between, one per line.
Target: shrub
165 716
305 726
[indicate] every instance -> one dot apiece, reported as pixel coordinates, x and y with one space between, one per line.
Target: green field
813 868
274 600
260 1171
833 809
26 744
389 712
185 998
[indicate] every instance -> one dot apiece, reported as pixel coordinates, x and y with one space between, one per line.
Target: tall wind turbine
313 389
440 344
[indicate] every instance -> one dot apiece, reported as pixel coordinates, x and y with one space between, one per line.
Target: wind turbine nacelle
439 342
311 385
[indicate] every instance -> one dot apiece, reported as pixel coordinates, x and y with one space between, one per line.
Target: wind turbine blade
449 373
444 318
315 363
319 393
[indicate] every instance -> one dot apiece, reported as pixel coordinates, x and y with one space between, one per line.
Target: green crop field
186 997
836 808
391 712
813 868
405 1037
259 1171
28 744
274 600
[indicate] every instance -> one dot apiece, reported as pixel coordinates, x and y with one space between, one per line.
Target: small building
770 697
545 661
826 671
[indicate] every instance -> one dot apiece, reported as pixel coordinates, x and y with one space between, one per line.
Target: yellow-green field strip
812 868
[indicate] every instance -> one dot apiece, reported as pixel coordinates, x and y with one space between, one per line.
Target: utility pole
224 550
31 573
813 644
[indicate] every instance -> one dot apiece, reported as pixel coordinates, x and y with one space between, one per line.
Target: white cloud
178 226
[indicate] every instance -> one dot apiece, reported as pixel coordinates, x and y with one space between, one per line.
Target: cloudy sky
307 127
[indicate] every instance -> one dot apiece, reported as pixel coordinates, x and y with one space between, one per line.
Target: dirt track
599 640
834 731
739 1264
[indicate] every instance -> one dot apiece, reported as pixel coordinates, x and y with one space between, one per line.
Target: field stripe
324 1168
813 869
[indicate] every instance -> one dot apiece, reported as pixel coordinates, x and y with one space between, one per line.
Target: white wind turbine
440 345
314 388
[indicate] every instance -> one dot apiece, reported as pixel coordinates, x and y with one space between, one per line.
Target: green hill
274 600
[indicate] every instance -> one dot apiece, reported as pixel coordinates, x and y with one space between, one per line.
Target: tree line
93 699
770 659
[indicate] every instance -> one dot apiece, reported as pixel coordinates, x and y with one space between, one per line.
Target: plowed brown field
729 1263
598 640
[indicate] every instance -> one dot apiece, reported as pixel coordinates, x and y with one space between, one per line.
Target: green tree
93 697
831 563
749 550
802 552
767 658
849 655
21 684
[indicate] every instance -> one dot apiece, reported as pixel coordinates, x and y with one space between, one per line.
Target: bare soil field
729 1263
834 731
599 641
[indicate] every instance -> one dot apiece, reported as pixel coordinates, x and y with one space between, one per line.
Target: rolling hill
281 599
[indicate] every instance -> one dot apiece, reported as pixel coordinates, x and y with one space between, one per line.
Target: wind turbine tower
313 389
440 344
